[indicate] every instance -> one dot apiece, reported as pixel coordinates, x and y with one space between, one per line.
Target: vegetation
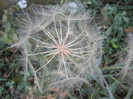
114 18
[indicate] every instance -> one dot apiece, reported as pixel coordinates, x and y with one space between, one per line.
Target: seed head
61 46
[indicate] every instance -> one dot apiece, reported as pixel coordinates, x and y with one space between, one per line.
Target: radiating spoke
41 53
80 52
60 30
47 46
77 19
49 35
59 65
64 63
80 48
77 42
57 32
40 41
46 63
70 59
76 55
75 39
68 31
52 53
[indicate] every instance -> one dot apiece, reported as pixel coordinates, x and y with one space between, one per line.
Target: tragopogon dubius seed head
61 46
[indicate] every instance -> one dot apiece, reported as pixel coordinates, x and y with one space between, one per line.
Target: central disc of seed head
62 48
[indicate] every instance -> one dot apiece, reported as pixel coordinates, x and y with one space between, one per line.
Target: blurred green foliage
115 17
12 80
5 4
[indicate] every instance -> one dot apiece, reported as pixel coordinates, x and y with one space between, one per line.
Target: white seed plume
128 63
63 46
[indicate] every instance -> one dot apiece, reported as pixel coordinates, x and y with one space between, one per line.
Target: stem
34 73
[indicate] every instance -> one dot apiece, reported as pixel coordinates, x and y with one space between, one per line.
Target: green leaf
114 86
8 84
114 45
123 13
5 11
5 38
1 89
14 38
114 40
4 18
109 30
120 29
7 28
126 19
20 87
